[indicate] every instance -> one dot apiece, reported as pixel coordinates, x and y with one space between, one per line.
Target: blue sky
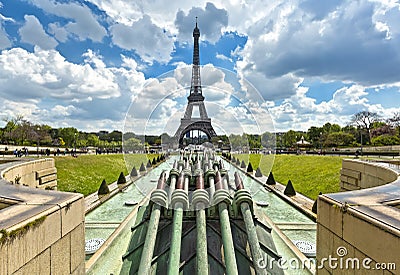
88 63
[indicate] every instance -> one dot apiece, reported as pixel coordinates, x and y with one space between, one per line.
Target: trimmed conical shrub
237 161
142 168
154 162
259 173
121 178
271 180
158 159
148 164
315 205
103 189
243 165
289 190
134 172
249 168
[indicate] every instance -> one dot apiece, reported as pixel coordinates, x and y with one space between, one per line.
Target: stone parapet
42 231
40 173
360 230
358 174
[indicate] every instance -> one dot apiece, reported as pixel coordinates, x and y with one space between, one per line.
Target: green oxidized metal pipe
252 238
243 198
175 250
201 246
221 197
200 201
151 236
179 202
229 249
159 197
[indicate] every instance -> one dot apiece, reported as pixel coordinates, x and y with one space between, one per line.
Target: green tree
268 140
291 137
315 136
93 140
336 139
254 141
69 135
42 135
133 144
385 140
238 141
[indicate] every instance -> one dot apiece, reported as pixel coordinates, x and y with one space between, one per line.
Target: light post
320 142
38 140
74 143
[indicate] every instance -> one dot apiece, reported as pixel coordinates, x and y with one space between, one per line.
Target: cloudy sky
299 63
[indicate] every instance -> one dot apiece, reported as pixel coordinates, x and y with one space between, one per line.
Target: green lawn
85 173
309 174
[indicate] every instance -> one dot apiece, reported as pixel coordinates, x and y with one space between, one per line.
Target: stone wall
358 232
360 239
357 174
43 231
40 173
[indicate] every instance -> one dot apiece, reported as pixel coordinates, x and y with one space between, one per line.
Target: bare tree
395 122
364 120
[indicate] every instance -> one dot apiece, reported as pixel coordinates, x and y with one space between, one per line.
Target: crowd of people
25 151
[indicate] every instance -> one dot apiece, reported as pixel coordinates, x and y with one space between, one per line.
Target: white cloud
353 42
223 57
4 39
5 19
60 33
148 40
300 112
211 19
57 91
83 24
32 32
344 45
52 75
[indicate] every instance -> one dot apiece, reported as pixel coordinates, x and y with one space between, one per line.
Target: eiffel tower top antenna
195 88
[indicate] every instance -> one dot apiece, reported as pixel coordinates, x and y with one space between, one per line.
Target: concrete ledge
49 224
358 174
32 173
364 221
46 172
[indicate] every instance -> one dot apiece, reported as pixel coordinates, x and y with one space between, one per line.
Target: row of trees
19 131
365 128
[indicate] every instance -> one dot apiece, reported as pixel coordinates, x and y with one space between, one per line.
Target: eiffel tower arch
195 100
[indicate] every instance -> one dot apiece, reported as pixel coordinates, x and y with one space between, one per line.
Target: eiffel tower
195 99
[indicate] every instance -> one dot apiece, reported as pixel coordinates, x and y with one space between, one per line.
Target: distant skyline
81 63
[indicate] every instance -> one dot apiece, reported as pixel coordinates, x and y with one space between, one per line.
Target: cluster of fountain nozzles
198 184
